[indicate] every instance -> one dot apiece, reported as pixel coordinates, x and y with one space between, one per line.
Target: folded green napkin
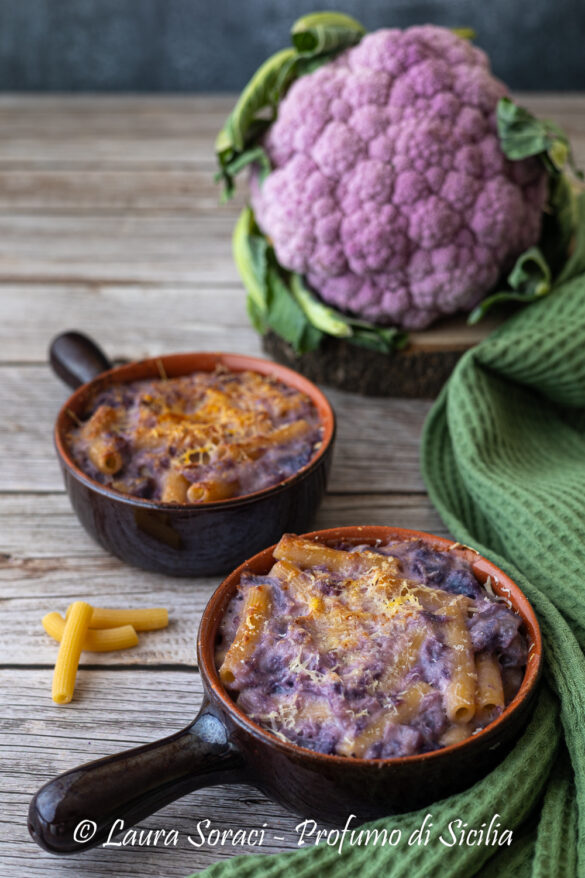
503 457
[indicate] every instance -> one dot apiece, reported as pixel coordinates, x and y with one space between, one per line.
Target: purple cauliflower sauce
389 191
370 651
197 438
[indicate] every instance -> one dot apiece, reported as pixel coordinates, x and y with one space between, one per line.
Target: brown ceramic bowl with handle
178 539
223 745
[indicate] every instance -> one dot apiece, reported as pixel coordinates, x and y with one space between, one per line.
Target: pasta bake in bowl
185 463
357 670
370 651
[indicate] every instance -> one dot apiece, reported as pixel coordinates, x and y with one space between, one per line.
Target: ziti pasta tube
96 640
400 714
70 651
490 689
147 619
459 695
254 614
213 489
174 488
306 553
105 456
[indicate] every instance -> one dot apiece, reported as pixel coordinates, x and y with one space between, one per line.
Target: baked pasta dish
198 438
370 651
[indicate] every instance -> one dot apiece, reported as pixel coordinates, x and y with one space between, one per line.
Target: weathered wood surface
170 132
108 223
116 710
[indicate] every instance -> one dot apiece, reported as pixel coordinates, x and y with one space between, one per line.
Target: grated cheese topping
197 438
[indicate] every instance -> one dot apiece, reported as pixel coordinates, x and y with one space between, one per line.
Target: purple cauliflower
389 191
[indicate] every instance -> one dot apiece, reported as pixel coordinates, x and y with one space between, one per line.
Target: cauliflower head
389 191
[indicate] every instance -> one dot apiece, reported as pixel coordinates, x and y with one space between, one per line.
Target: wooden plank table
109 223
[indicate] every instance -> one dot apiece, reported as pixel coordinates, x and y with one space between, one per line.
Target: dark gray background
215 45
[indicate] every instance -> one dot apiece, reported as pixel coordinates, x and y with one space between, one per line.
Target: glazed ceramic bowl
223 745
182 540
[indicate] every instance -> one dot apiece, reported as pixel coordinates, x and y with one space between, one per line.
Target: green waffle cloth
503 457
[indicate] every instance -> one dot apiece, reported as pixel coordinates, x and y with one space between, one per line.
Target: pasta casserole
196 438
370 651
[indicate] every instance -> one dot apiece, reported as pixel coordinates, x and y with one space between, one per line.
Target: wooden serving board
417 371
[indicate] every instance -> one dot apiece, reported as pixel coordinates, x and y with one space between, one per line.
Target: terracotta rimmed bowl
223 745
183 540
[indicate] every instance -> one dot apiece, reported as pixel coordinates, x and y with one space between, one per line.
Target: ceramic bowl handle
77 359
89 804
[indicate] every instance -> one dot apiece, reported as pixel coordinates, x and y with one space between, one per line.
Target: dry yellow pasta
94 629
96 640
70 651
147 619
